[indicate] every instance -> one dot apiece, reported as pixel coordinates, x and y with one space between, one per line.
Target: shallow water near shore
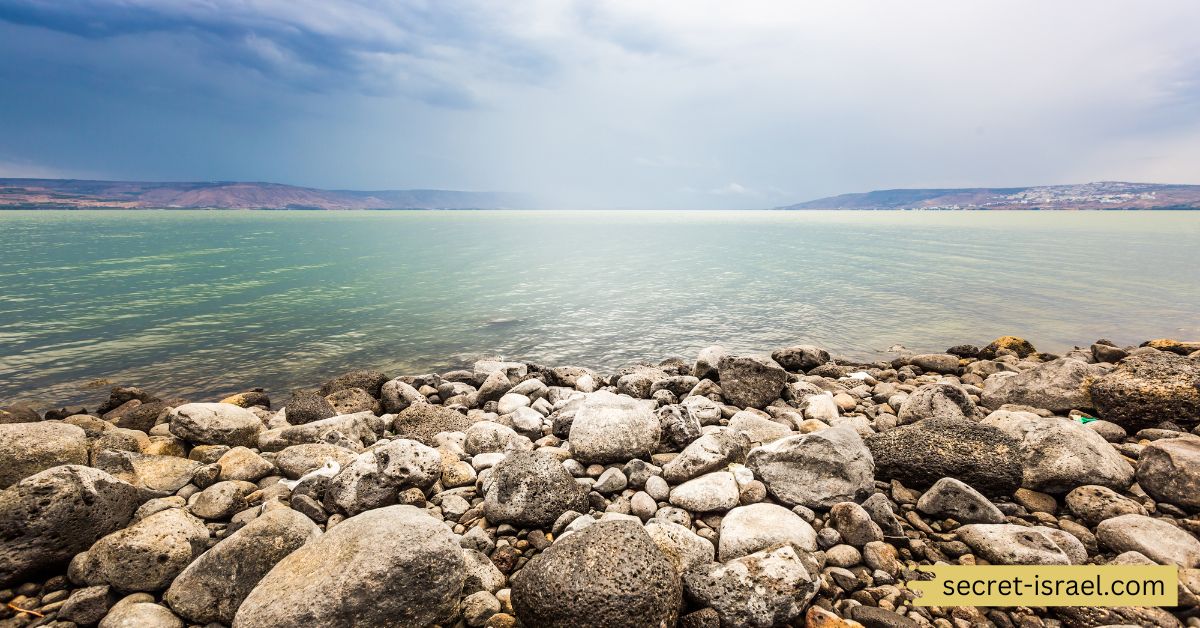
200 303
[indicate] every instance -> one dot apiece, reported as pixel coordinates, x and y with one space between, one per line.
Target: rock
482 573
351 430
1058 386
18 413
377 476
679 427
1158 540
478 607
750 382
1016 344
221 500
800 357
351 400
391 566
144 417
211 588
935 362
489 437
950 498
1059 454
608 574
297 460
165 474
707 361
1169 471
48 517
1173 346
686 549
146 556
28 448
136 611
611 428
249 399
710 452
87 606
1116 616
816 470
240 463
760 429
639 383
531 490
370 381
1150 388
1093 504
1008 544
306 406
748 529
215 424
853 524
396 395
423 421
767 588
611 481
923 453
707 493
937 401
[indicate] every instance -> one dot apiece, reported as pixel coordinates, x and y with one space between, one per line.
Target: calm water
203 303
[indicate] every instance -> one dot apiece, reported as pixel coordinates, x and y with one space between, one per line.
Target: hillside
82 194
1103 195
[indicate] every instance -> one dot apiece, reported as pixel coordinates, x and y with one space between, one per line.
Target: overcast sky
634 103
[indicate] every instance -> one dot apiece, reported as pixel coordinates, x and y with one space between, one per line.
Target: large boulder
213 587
27 448
165 474
1156 539
49 517
215 424
377 476
750 382
422 421
937 401
1169 471
816 470
1009 544
1149 388
608 574
1059 454
923 453
146 556
1058 386
394 566
614 428
748 529
531 489
767 588
800 357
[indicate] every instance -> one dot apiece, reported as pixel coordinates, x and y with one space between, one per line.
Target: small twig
21 610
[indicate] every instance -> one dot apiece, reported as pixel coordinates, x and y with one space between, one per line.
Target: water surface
200 303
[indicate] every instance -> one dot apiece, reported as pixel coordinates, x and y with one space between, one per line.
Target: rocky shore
725 490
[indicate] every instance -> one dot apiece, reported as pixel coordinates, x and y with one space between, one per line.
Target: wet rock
423 421
146 556
923 453
48 517
377 476
608 574
1173 346
1008 544
306 406
800 357
1150 388
950 498
406 567
748 529
767 588
144 417
1156 539
211 588
370 381
816 470
613 428
18 414
707 493
1059 454
1169 471
710 452
27 448
216 424
750 382
531 489
249 399
937 401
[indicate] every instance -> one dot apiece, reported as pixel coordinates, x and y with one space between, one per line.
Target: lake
202 303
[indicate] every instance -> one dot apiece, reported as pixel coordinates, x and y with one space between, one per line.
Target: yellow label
1048 585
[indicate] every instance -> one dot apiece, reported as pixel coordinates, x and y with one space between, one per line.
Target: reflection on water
202 303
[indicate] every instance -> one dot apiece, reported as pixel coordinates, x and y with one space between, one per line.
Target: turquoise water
200 303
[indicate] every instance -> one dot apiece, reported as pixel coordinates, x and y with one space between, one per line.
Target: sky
588 104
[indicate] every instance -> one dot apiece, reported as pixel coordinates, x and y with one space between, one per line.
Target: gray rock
854 524
935 362
49 517
370 381
937 401
707 361
27 448
397 395
489 437
640 382
750 382
351 400
146 556
758 428
87 606
531 490
707 493
679 426
215 424
1169 471
422 421
1008 544
391 566
1150 388
767 588
306 406
482 573
297 460
610 573
710 452
376 478
1059 454
211 588
1158 540
1093 504
800 357
140 611
1059 385
749 529
686 549
612 428
165 474
923 453
816 470
354 430
950 498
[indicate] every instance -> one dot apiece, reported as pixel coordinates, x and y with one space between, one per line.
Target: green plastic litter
1087 419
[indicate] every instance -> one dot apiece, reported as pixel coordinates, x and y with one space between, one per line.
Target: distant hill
83 194
1103 195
